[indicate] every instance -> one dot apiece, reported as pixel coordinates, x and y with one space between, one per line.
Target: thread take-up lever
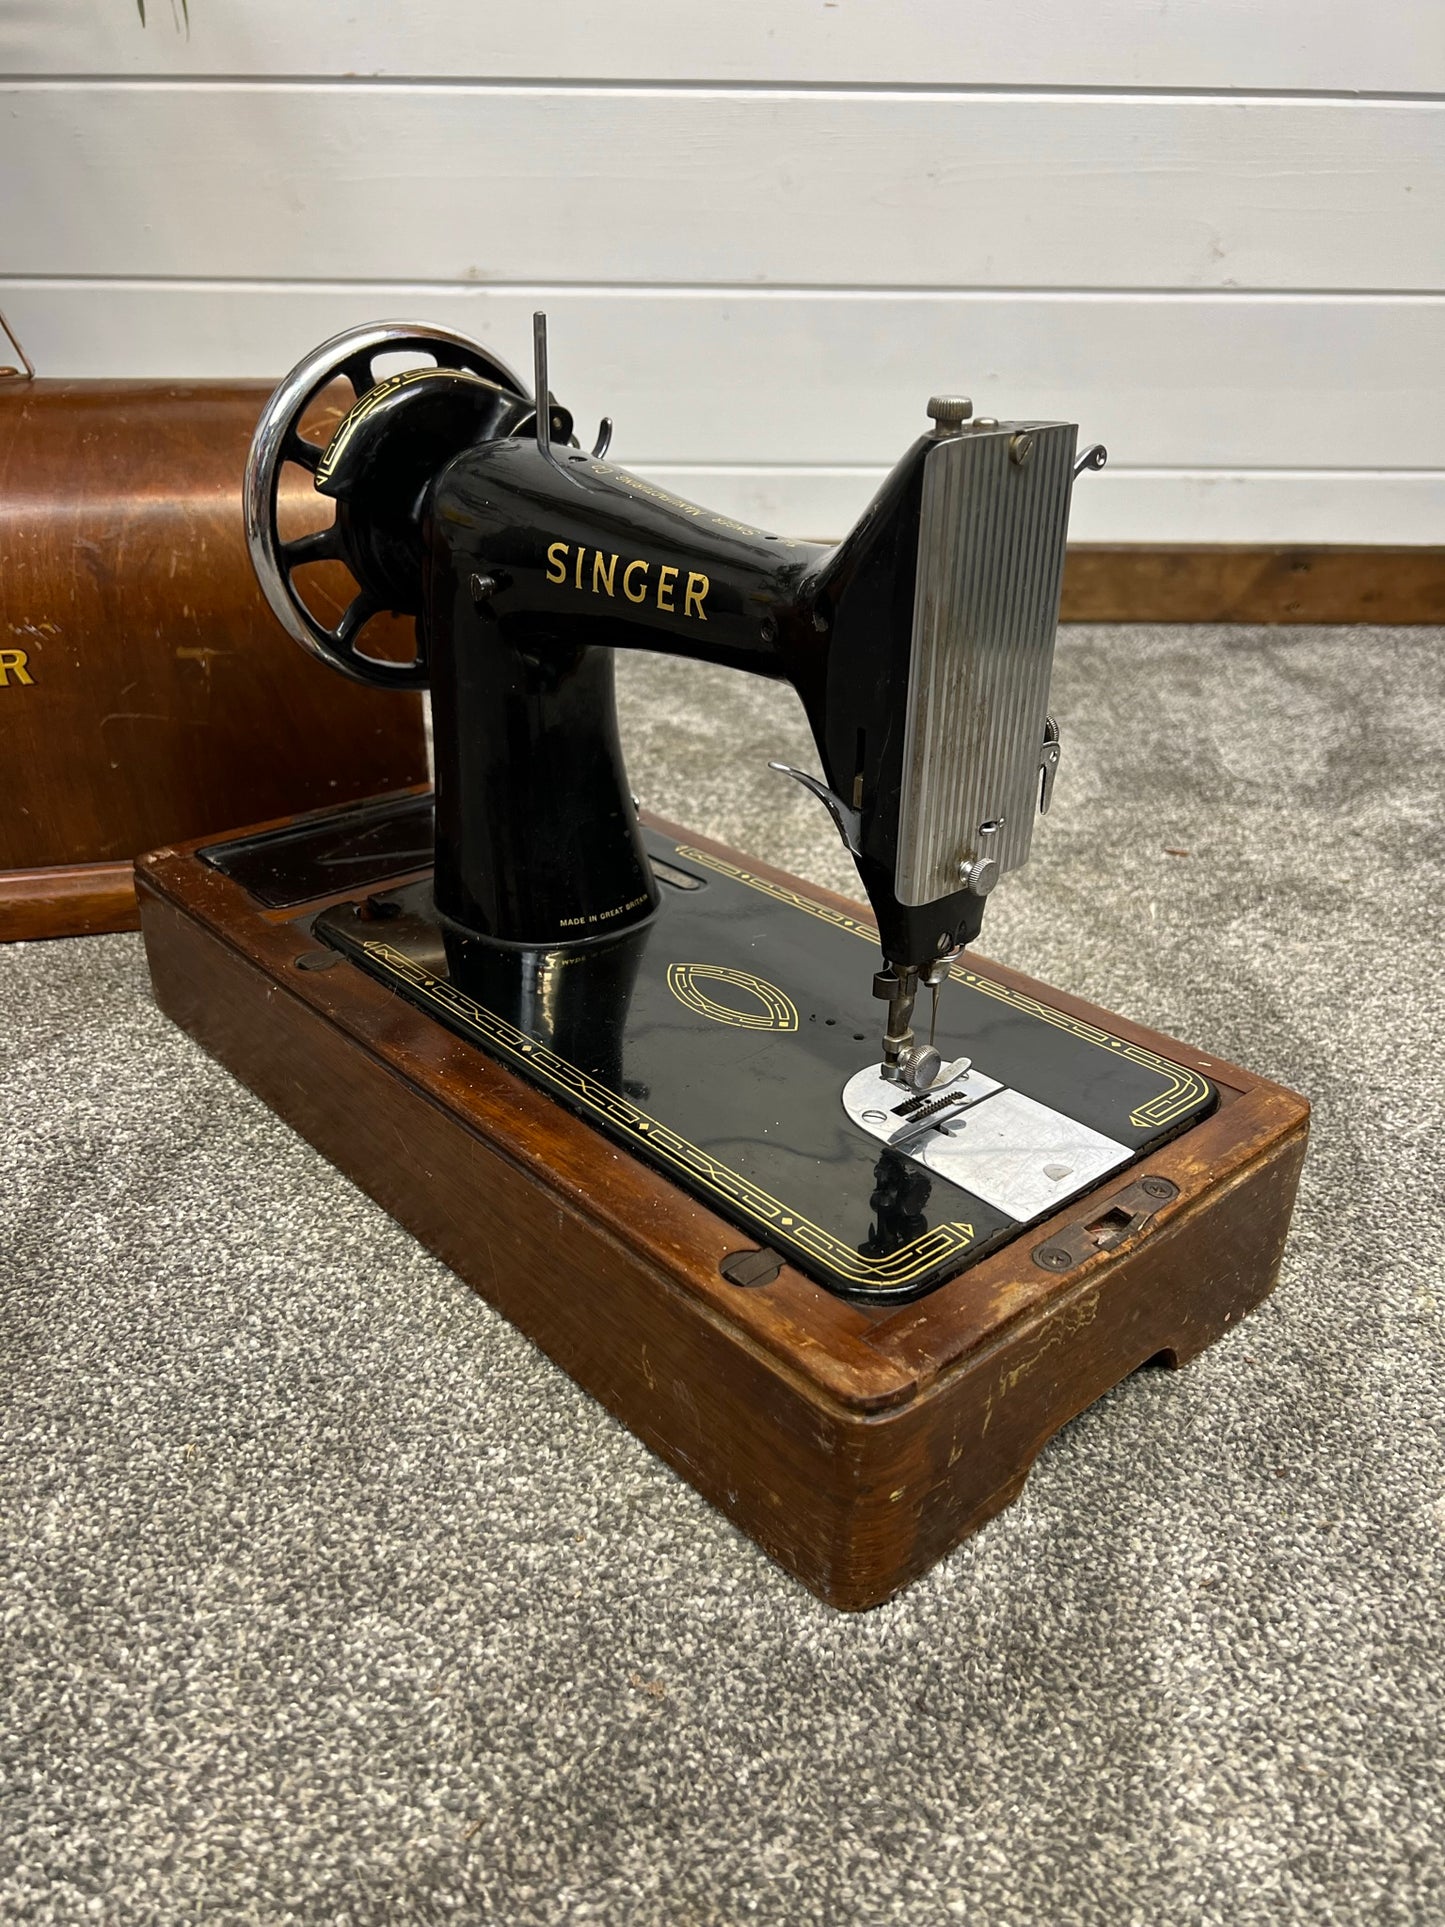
848 822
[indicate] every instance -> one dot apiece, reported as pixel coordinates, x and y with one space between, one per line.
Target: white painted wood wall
1210 231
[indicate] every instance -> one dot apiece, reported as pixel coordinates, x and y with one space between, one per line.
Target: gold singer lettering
638 582
12 663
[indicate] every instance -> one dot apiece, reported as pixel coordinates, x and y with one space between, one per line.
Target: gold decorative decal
778 1012
779 894
599 575
13 663
691 509
1183 1088
934 1248
372 399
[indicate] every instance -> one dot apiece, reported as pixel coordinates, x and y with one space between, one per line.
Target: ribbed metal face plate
986 606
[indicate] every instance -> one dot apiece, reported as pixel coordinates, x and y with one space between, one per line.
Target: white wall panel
702 377
1260 506
1393 46
1211 231
711 186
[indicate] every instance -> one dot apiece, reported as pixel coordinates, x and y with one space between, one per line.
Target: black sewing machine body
721 1040
580 559
527 563
627 1082
715 1024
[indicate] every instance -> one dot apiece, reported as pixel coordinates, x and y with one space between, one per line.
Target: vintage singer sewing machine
843 1221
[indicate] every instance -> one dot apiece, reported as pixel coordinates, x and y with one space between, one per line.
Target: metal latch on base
1126 1213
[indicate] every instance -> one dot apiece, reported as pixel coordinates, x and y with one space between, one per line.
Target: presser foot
898 987
918 1067
921 1069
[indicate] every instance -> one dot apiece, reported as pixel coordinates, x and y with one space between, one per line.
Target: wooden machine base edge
857 1444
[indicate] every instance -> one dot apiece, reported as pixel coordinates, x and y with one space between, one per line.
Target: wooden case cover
147 692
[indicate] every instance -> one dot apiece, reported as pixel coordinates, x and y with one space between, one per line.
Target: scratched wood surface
146 691
856 1444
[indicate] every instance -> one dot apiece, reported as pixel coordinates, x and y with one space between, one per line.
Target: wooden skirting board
1115 584
1214 583
68 900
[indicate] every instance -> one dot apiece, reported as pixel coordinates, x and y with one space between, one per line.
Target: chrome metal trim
1020 1156
280 420
847 822
986 605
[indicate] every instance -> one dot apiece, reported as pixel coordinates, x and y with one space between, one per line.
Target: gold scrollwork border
777 1012
1183 1088
370 402
934 1248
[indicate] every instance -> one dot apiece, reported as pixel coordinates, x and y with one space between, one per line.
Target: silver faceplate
985 609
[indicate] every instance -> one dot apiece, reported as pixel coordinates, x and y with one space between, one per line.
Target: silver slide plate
1014 1153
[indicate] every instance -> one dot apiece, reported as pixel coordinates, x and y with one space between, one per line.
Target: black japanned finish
541 564
527 565
715 1041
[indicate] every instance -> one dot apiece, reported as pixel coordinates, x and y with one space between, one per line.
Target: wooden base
857 1444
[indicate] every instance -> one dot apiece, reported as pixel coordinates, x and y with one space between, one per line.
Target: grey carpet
327 1599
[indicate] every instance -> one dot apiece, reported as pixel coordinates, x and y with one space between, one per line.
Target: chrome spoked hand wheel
278 441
